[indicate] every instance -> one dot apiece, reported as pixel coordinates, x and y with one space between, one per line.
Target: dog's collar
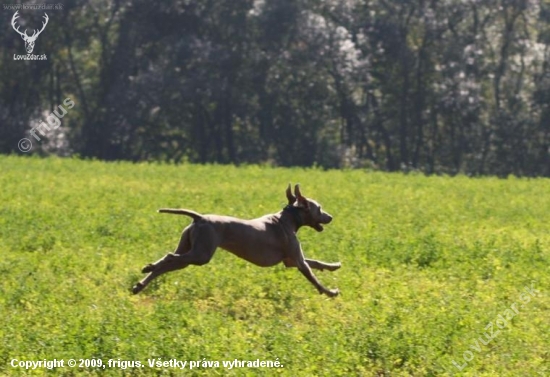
294 212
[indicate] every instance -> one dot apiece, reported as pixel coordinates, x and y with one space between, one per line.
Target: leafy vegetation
442 87
428 262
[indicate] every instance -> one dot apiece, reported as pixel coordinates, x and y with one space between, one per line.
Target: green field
429 265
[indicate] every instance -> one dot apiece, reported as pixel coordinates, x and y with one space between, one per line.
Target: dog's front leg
306 271
318 265
304 268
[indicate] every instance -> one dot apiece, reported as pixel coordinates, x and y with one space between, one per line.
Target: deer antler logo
29 40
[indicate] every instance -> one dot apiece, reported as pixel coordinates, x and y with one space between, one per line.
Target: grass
428 264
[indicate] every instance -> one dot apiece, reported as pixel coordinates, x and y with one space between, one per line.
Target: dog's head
308 210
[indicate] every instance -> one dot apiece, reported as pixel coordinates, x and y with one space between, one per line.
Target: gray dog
265 241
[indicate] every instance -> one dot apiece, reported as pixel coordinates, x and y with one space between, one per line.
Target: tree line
442 87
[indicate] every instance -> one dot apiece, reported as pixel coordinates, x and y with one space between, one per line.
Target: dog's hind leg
183 247
169 263
204 242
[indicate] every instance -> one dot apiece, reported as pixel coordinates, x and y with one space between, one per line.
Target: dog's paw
137 288
333 292
148 268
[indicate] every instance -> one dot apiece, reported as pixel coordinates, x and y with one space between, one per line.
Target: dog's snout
329 218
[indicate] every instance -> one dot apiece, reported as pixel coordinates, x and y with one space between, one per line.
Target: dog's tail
193 214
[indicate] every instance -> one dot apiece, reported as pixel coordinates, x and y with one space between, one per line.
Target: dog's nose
329 217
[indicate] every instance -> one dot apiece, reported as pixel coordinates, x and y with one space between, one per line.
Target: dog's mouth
318 227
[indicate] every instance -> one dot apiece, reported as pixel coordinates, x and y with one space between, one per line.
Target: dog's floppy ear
291 198
301 200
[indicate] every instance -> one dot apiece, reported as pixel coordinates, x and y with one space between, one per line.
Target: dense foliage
438 86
